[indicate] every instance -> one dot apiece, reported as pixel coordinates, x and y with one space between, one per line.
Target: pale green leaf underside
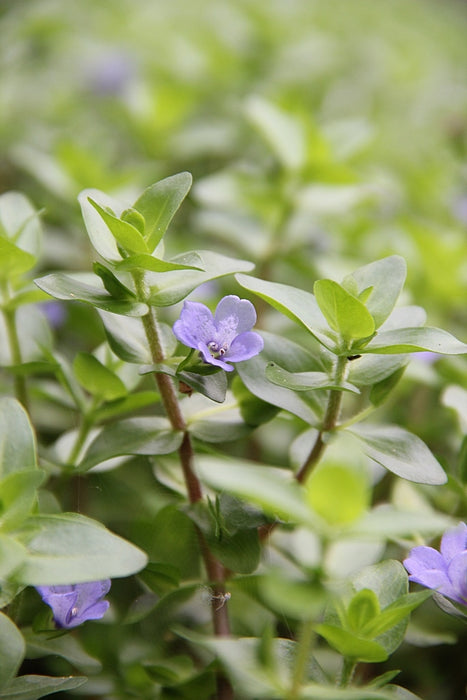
401 452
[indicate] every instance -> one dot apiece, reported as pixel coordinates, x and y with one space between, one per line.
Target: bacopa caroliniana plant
260 539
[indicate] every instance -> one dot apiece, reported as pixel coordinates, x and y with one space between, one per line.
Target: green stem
83 432
329 421
348 669
301 659
15 350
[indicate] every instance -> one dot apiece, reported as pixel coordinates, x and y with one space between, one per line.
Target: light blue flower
444 571
72 605
222 338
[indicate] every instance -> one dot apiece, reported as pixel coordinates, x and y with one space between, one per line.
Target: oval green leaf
71 548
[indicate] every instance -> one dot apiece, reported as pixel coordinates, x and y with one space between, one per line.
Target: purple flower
445 571
73 605
224 337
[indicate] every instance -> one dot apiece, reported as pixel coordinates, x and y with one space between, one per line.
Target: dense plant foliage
233 402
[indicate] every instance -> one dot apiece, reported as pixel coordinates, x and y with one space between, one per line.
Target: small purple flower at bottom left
74 604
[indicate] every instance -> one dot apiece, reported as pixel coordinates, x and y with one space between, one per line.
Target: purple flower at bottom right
444 571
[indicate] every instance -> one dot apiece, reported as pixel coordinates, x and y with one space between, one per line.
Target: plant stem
214 569
329 421
15 350
301 659
348 669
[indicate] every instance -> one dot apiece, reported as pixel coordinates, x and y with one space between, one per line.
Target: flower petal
457 572
94 612
454 542
244 346
62 599
73 605
233 316
195 325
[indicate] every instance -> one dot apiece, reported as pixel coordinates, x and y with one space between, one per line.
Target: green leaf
338 493
18 493
172 671
401 452
17 443
64 646
126 235
35 337
386 278
345 313
398 611
171 538
387 522
254 410
173 286
381 390
97 379
242 658
70 548
15 261
351 645
116 289
283 132
160 578
99 233
126 337
299 599
159 203
455 397
128 404
212 385
26 296
220 423
273 489
368 370
239 552
20 223
415 340
72 288
12 650
133 436
289 355
35 687
296 304
144 261
362 610
388 580
305 381
12 554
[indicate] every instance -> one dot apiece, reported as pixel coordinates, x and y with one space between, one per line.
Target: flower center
215 349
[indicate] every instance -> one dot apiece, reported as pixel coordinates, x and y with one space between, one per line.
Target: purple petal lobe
457 572
234 316
454 541
244 346
444 571
195 325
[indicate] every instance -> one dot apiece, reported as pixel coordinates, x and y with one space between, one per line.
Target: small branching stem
329 421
